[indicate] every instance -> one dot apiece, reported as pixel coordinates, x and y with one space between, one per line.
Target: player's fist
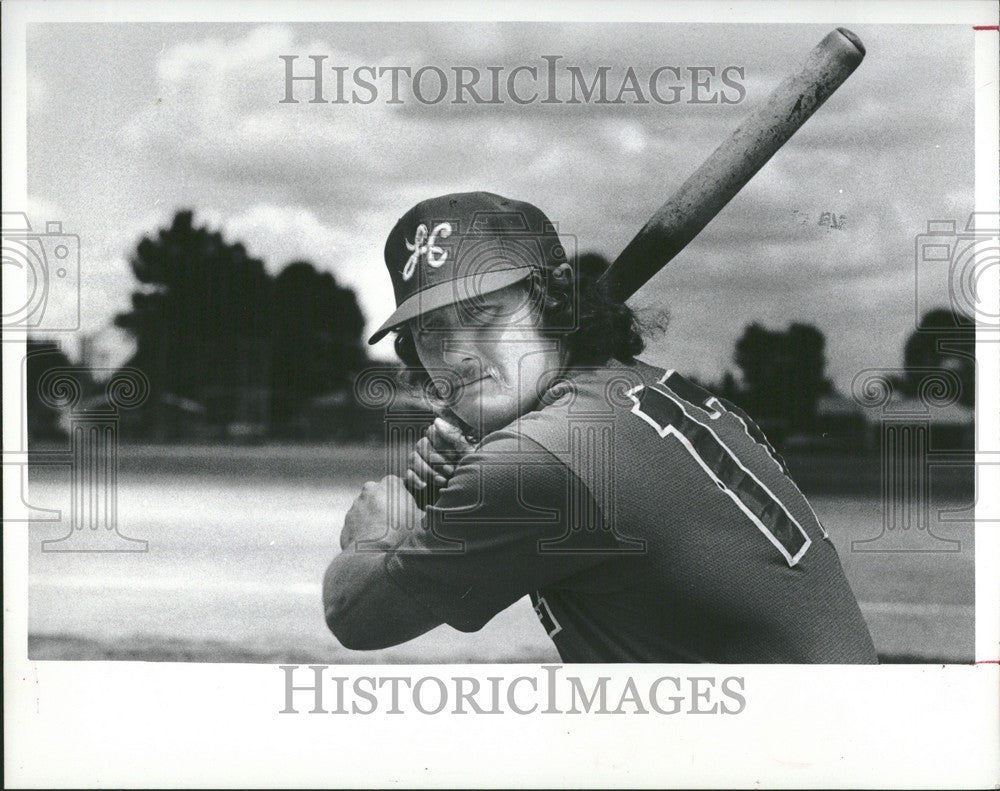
381 510
436 455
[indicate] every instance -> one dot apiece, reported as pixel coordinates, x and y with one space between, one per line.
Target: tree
783 373
211 325
945 341
200 317
316 335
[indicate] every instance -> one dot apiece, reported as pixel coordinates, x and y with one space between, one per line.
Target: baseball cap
460 246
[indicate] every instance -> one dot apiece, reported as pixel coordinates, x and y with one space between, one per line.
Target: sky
128 123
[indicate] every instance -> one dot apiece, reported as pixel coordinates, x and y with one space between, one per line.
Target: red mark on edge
986 27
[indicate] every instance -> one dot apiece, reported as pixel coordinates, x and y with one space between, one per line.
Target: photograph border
139 724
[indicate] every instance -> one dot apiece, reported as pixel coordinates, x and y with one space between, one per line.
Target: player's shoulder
679 389
585 400
617 397
619 389
510 463
595 390
607 379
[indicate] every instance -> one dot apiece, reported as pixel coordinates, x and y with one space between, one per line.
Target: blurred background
231 253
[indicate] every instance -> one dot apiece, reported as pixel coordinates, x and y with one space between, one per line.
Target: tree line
217 334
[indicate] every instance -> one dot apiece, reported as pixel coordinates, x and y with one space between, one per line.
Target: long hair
594 328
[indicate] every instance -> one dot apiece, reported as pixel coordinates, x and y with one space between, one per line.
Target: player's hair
597 328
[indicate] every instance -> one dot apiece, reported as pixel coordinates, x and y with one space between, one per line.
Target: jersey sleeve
506 524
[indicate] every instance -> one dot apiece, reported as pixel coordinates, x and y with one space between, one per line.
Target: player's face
494 348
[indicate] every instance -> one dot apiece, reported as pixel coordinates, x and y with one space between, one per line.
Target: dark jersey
648 521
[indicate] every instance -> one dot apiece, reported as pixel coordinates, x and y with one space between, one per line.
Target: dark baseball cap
457 247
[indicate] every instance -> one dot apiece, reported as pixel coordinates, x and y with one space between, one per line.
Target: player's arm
364 608
497 532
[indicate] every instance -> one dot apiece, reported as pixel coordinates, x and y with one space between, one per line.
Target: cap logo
424 246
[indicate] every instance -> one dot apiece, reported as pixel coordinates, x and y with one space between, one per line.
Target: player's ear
405 347
563 274
559 293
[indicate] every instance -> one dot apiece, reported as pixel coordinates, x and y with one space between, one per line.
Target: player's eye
488 312
433 323
429 334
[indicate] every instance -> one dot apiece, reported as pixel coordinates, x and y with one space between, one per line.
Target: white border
987 534
890 12
136 724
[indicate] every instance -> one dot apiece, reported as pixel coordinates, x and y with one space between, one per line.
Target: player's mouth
490 373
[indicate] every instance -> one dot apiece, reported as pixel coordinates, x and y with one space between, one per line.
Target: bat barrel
735 162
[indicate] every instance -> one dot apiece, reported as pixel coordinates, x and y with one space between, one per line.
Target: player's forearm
345 604
365 609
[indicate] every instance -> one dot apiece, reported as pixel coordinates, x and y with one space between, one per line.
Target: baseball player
648 520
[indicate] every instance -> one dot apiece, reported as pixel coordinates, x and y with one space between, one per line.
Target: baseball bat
734 163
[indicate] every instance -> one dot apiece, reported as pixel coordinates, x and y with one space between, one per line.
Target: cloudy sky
128 123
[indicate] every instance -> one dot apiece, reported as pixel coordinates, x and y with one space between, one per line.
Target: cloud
326 182
42 210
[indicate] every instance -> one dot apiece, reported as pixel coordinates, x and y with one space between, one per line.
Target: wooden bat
734 163
729 168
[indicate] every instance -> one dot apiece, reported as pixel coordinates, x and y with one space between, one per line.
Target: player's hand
436 455
370 517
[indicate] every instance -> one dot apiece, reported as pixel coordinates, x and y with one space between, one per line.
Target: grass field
239 538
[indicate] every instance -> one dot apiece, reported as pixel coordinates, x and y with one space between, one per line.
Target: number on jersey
677 408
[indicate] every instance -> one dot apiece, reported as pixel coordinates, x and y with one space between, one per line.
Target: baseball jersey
648 521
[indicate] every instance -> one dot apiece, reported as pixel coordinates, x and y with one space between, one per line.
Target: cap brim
449 293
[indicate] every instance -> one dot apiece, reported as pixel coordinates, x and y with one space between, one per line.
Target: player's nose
465 360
